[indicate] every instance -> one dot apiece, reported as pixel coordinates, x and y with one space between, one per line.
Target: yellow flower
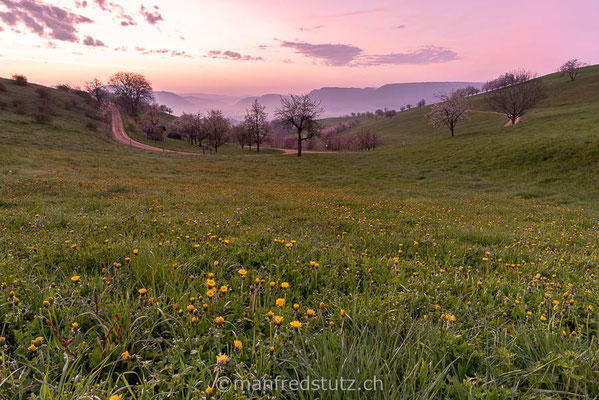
242 272
135 251
296 306
543 318
75 278
2 340
208 391
278 320
219 320
310 312
296 324
270 314
272 284
32 348
590 307
210 293
190 308
210 282
215 263
74 325
285 285
342 312
116 397
437 307
238 345
142 291
222 359
280 302
125 356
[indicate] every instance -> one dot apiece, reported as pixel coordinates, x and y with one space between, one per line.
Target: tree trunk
452 131
299 145
258 147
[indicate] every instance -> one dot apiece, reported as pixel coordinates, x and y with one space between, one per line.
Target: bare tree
96 89
300 113
465 92
133 90
514 93
241 134
572 67
257 124
448 112
190 127
216 127
421 103
151 124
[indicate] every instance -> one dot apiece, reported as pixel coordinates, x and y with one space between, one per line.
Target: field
453 268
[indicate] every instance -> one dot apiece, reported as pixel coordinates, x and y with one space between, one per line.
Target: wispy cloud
399 27
304 29
330 54
232 55
352 13
44 20
172 53
151 17
424 55
353 56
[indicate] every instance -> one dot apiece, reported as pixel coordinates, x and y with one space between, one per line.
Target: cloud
90 41
40 18
330 54
151 17
352 13
80 4
231 55
303 29
348 55
173 53
424 55
103 4
399 27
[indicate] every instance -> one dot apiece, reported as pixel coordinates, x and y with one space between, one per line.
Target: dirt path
119 134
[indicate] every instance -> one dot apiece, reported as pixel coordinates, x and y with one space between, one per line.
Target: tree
96 89
465 92
133 90
451 110
241 134
257 124
301 113
402 108
514 93
421 103
572 67
216 127
390 113
151 124
408 106
190 127
19 79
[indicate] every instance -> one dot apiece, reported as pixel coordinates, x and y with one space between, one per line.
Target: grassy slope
483 199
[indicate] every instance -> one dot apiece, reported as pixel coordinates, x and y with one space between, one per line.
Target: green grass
445 256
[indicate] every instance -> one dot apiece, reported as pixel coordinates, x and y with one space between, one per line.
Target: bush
2 87
43 92
42 117
20 106
174 135
63 87
91 126
20 80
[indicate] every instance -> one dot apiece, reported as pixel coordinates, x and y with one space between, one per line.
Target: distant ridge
336 101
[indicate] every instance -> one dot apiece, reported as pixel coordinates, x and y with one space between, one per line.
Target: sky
242 47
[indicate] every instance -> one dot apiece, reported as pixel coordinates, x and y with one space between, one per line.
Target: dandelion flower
280 302
285 285
219 320
222 359
75 279
296 325
142 291
238 345
242 272
278 320
310 312
125 356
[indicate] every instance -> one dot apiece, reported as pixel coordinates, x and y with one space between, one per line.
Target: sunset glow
241 48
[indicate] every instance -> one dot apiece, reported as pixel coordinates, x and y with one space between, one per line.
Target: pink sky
275 46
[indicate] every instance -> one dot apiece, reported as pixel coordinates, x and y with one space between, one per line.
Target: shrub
2 87
20 80
20 106
43 92
174 135
42 117
63 87
91 125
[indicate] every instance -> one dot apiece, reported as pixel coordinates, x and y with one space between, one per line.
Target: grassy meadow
453 268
